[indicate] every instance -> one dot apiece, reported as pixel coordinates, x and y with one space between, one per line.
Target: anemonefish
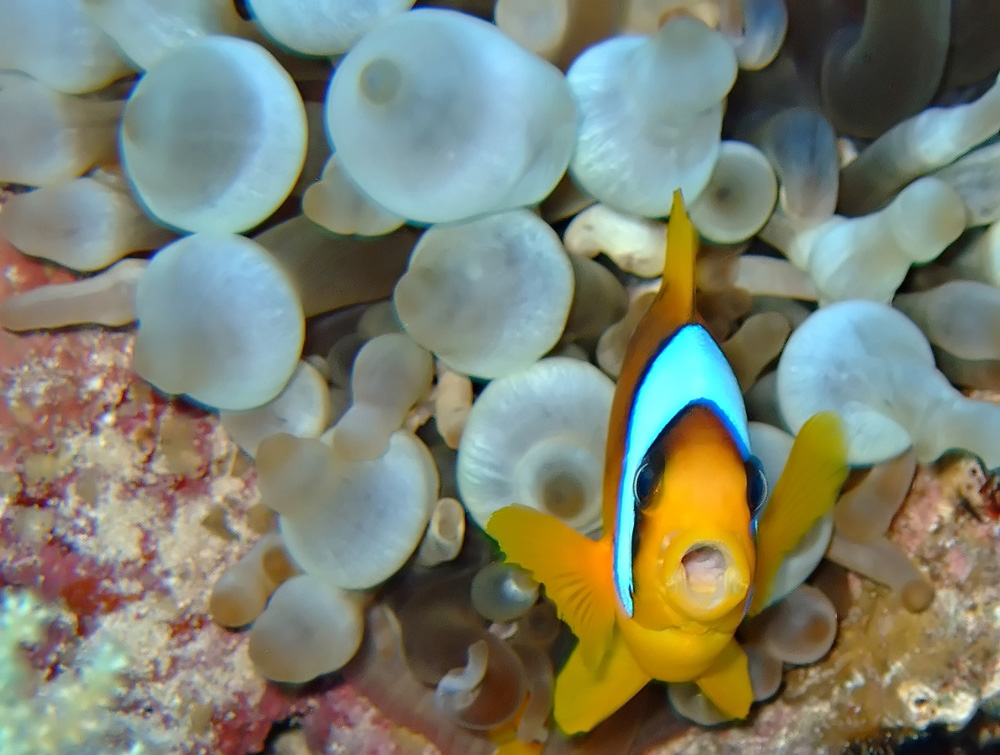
688 549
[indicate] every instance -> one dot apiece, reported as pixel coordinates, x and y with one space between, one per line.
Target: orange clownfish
688 549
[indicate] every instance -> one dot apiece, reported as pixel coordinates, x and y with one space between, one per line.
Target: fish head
692 544
684 471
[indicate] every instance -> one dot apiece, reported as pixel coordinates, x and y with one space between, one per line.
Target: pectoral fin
585 696
807 489
575 570
727 682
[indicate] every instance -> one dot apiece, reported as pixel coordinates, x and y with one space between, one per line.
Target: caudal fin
807 489
575 570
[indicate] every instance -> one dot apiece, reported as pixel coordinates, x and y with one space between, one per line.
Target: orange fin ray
808 488
575 570
674 304
727 682
584 695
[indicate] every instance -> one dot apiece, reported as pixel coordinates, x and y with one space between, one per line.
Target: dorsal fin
672 307
674 303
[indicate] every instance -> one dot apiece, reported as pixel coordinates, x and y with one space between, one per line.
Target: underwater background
260 399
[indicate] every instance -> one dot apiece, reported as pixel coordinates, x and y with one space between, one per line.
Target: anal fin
575 570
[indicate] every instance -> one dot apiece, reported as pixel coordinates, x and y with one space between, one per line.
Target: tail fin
807 489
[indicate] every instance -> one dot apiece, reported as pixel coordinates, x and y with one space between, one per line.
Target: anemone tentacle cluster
332 222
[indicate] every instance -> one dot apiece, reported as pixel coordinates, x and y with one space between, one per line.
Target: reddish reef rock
122 508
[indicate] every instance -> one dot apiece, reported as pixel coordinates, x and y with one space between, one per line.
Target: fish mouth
704 569
707 578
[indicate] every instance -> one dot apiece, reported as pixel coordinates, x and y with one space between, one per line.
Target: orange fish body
694 563
661 593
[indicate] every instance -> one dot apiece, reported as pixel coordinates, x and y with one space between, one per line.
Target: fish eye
647 480
756 484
